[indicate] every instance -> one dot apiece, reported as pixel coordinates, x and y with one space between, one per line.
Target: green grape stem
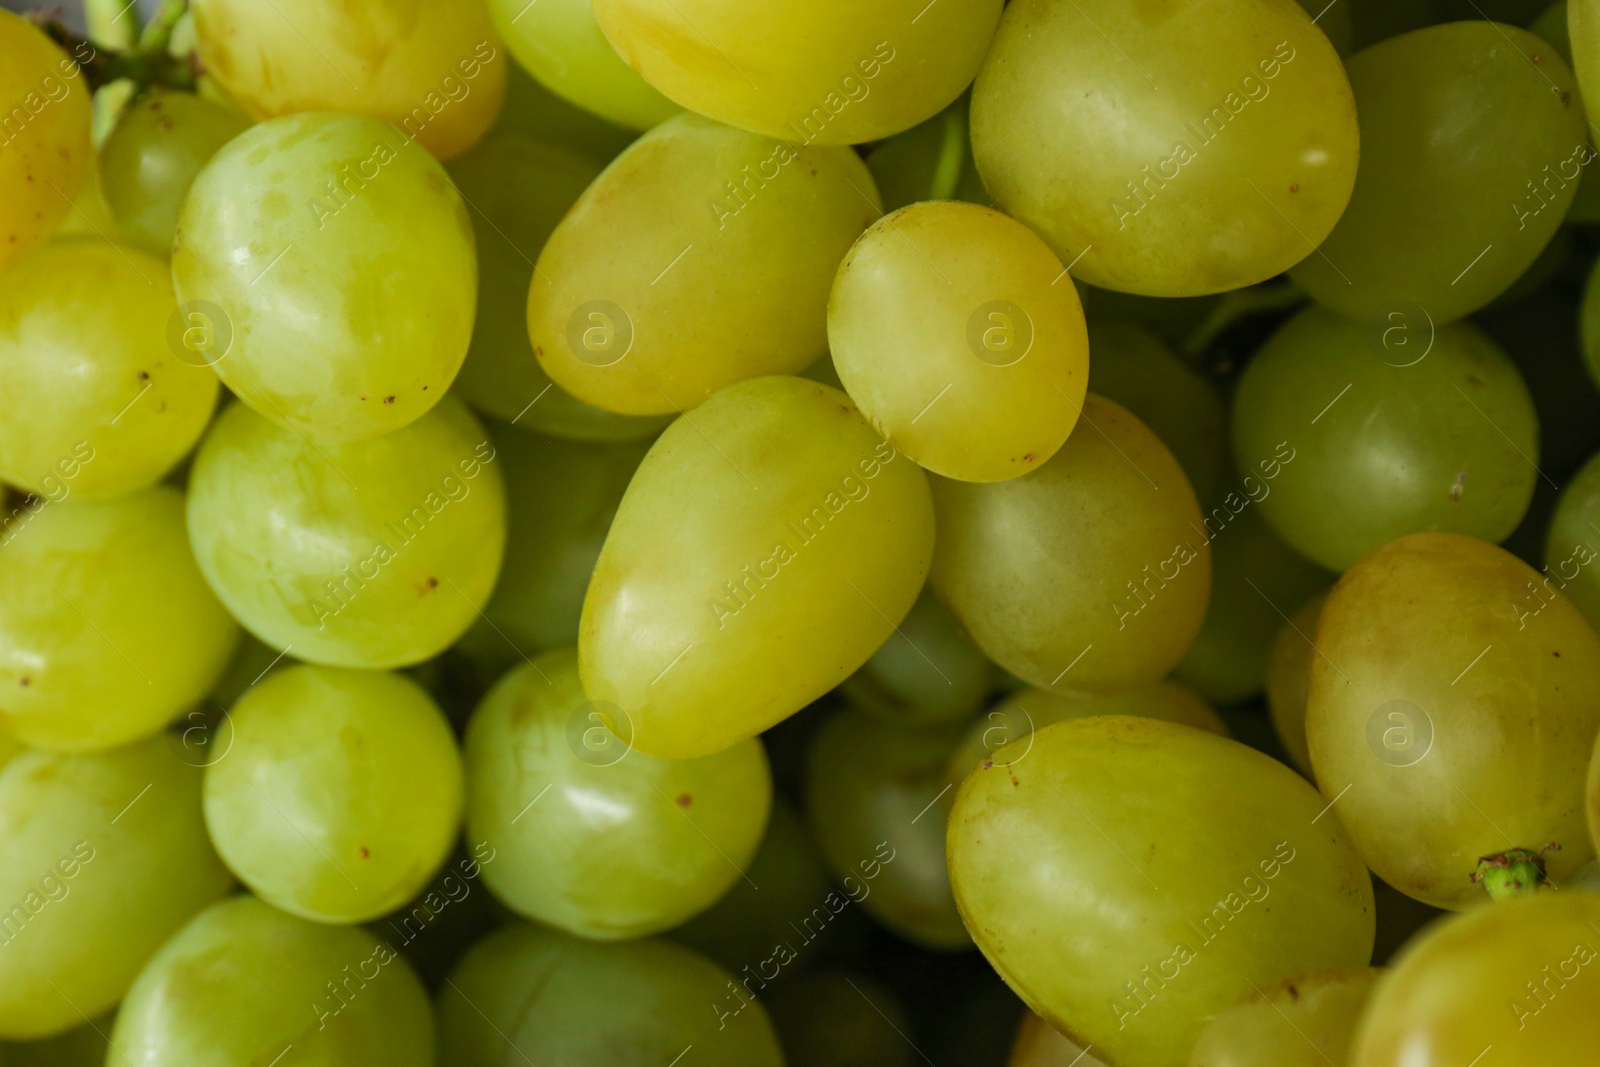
1516 872
145 64
1239 304
952 154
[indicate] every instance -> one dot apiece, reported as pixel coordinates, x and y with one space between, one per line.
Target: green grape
244 982
1305 1021
107 629
435 929
560 43
763 609
253 662
550 998
1051 573
1224 133
1472 138
927 672
1377 432
1551 27
10 747
811 72
1570 544
160 142
363 554
1289 678
1255 577
838 1019
533 111
281 259
1041 1045
930 161
560 500
518 189
1135 368
1173 842
933 317
106 855
83 338
1510 977
84 1046
45 154
701 256
1587 877
878 795
1377 20
336 794
1452 708
625 844
432 71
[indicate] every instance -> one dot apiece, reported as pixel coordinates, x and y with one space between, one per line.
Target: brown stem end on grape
1516 872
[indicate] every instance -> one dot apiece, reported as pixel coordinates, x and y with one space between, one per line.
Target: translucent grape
364 554
1289 678
950 328
928 671
1304 1021
285 258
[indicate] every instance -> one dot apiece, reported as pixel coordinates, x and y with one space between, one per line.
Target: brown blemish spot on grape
1557 655
1294 187
144 376
388 400
433 583
1294 994
26 681
1473 379
684 800
363 852
1028 458
537 350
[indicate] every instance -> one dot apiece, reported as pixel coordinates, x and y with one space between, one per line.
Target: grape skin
1302 1021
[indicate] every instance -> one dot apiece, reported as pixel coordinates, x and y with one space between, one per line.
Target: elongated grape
1449 114
364 554
949 327
1214 878
624 844
837 1019
338 794
554 998
662 285
243 982
928 671
559 42
1453 707
97 400
930 161
107 629
1304 1021
434 72
802 539
1572 546
45 154
1376 432
816 72
1216 166
277 255
1583 32
1289 679
106 856
1090 572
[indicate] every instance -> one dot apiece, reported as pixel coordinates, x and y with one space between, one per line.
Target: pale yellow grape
798 540
823 71
1304 1021
1206 146
329 265
107 629
435 71
1090 573
105 857
957 332
701 256
1289 679
97 400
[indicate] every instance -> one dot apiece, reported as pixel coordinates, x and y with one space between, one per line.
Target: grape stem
952 154
1516 872
1239 304
145 64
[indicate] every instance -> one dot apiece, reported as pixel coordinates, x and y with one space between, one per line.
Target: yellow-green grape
927 672
160 142
878 795
282 265
1472 139
518 188
590 836
107 629
98 399
1216 166
663 283
534 111
559 42
930 161
1587 877
1593 789
244 982
364 554
1134 367
553 998
1289 679
45 154
811 72
84 1046
335 794
1551 27
800 540
1198 868
106 856
1583 31
1355 435
433 71
1090 573
10 747
1570 551
1304 1021
839 1019
1255 577
951 329
445 918
1041 1045
1004 733
1452 709
1512 984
